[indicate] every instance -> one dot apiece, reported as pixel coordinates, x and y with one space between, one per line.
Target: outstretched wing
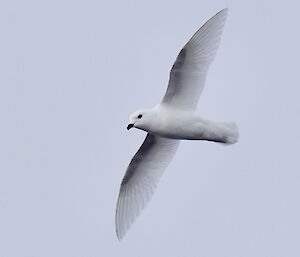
141 179
188 73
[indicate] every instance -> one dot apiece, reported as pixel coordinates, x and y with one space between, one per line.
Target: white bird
174 119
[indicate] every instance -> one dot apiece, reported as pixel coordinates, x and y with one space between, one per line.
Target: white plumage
174 119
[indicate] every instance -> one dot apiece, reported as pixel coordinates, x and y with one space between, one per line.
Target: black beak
129 126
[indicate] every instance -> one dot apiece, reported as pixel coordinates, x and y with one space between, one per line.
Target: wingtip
221 16
119 233
224 10
119 237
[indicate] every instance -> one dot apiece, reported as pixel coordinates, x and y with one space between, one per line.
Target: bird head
140 119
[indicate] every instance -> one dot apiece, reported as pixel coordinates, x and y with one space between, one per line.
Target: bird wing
187 76
141 179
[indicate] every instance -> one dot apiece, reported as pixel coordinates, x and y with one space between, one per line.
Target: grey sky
71 74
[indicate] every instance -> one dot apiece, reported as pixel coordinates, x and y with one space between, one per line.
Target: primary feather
141 179
188 74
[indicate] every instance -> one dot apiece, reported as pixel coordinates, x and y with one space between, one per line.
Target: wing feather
188 74
141 179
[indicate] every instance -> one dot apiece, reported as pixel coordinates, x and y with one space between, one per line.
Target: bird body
173 120
175 123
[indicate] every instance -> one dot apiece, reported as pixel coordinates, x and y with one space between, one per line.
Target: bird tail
230 133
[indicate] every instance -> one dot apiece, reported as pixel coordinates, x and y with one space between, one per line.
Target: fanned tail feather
231 133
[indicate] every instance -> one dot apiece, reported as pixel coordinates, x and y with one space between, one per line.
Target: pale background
71 74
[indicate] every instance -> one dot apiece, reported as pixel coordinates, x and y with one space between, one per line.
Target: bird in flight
171 121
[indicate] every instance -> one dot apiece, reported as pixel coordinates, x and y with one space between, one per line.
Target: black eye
140 116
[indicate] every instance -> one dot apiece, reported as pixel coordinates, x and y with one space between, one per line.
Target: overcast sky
71 74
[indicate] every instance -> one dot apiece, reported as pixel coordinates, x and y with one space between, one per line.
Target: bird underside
220 132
